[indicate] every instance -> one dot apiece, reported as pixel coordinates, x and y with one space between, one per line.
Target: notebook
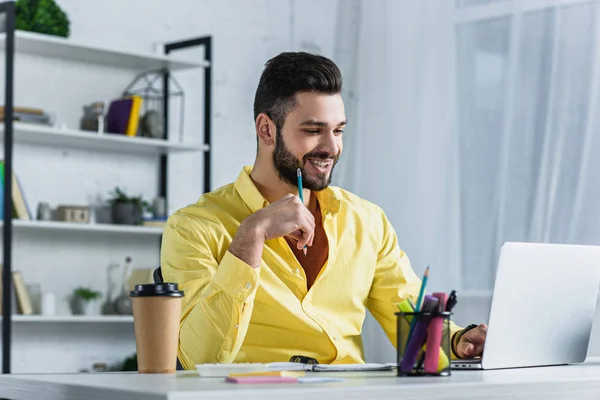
292 366
224 370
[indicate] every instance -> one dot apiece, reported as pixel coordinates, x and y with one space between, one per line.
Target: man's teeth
320 163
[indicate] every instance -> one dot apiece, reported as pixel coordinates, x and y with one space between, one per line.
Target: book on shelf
155 222
14 304
21 208
24 300
27 115
123 115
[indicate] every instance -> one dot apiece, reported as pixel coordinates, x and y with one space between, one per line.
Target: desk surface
573 381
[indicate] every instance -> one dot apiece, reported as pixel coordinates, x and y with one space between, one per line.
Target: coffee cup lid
166 289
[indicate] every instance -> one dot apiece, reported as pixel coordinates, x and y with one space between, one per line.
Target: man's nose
330 144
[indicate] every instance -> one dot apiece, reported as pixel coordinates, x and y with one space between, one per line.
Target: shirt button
237 327
248 285
297 271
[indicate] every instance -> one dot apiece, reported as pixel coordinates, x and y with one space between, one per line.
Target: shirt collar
328 198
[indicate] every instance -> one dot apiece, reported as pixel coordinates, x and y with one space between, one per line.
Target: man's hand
286 217
471 343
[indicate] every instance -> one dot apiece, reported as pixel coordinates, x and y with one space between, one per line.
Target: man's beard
287 164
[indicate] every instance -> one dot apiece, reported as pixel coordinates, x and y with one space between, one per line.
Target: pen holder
423 346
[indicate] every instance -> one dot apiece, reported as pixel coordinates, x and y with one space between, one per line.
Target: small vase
122 303
85 307
91 307
126 213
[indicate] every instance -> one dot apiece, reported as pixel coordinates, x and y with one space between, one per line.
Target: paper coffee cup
156 314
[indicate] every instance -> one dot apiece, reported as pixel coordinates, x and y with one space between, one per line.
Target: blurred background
471 123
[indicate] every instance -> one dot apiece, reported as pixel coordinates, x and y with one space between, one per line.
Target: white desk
574 381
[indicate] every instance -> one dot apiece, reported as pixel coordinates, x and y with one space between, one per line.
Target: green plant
130 363
119 196
87 294
41 16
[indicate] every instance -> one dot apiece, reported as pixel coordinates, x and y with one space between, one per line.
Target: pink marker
434 337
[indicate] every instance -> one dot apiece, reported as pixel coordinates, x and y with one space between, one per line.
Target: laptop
543 306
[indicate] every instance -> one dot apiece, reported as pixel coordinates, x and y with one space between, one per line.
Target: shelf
40 134
31 225
74 318
54 46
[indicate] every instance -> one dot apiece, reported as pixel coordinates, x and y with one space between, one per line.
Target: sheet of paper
352 367
316 379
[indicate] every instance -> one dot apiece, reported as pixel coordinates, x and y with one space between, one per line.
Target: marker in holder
430 327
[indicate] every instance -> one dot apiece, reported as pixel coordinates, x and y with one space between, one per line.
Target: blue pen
299 175
419 300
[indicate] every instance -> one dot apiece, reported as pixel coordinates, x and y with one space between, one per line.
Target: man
266 276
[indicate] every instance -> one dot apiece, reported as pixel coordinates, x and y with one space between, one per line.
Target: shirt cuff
235 277
454 329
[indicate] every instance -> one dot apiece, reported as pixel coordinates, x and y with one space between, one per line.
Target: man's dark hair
288 74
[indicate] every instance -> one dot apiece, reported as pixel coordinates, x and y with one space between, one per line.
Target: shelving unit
73 319
76 139
13 42
53 226
45 45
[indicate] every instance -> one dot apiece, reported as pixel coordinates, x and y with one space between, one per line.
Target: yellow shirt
234 313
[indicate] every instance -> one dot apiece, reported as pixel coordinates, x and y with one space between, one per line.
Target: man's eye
338 131
312 132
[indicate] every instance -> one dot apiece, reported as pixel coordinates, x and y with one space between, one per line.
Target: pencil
299 175
419 300
422 292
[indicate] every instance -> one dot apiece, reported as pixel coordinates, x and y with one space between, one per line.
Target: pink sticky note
261 379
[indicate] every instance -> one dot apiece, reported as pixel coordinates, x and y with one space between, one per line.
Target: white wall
245 34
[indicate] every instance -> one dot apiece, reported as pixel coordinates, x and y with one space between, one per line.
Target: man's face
311 139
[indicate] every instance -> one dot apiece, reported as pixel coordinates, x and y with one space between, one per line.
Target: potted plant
41 16
127 210
86 301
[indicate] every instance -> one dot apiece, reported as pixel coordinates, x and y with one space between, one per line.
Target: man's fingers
472 343
466 349
308 230
304 238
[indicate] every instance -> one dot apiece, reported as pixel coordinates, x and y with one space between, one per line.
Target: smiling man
252 292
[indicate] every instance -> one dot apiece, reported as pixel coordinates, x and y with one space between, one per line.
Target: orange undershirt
316 255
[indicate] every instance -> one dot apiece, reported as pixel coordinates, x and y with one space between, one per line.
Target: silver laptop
542 308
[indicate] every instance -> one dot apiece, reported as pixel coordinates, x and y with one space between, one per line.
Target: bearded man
268 276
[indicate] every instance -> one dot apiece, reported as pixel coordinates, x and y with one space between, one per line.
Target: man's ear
265 129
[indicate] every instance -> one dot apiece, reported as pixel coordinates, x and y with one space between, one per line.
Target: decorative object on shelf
100 367
68 213
130 363
149 86
152 125
41 16
85 301
123 302
93 117
126 210
108 307
44 212
159 206
48 304
35 296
